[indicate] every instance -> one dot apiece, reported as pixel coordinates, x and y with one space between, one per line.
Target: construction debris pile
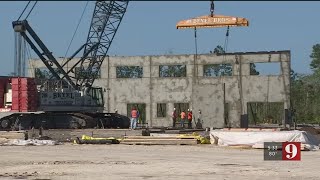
20 138
29 142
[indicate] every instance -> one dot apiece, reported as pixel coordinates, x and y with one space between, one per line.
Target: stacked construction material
24 94
160 140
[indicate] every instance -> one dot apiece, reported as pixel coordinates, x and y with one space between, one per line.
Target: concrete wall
206 93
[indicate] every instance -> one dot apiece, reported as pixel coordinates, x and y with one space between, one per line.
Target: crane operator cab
54 95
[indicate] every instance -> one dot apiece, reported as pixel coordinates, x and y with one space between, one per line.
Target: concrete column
150 93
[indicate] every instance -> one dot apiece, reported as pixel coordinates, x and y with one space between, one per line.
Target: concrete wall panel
205 93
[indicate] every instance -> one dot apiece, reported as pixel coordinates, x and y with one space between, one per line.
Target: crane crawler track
58 120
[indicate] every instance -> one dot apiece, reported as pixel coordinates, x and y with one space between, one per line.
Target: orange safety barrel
212 22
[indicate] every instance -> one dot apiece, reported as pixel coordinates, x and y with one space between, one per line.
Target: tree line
305 91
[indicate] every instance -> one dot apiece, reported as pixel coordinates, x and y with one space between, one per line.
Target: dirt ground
149 162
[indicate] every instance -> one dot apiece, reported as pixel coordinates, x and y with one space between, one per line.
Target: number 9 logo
291 151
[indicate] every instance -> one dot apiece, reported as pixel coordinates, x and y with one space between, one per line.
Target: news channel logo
282 151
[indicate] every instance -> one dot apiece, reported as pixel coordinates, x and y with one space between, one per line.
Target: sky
148 28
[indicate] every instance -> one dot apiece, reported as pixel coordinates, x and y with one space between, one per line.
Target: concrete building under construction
150 82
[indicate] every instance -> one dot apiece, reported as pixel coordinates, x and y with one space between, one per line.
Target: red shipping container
25 109
23 81
2 89
15 81
20 87
24 94
28 107
1 102
2 86
23 104
15 106
1 92
24 100
17 87
31 102
28 110
4 81
1 99
19 83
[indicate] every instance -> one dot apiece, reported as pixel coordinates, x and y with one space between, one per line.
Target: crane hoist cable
25 8
212 8
31 9
75 32
226 41
195 41
225 47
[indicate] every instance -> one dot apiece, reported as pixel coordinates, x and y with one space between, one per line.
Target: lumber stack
163 140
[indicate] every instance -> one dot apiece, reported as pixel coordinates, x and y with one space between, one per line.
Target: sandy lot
149 162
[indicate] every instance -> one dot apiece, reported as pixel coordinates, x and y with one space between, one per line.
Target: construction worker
174 117
134 118
183 118
199 123
190 118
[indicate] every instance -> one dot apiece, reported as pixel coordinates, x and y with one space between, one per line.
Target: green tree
253 70
129 72
305 96
42 73
315 55
218 69
293 75
219 50
224 69
173 71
